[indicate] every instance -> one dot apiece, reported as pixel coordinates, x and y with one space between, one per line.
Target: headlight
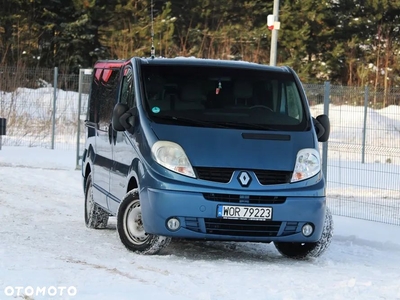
171 156
308 164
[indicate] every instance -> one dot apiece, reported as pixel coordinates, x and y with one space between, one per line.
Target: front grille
252 199
266 177
222 175
242 227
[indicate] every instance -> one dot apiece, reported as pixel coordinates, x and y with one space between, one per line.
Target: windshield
227 97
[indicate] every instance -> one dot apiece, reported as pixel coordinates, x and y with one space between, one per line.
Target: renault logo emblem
244 179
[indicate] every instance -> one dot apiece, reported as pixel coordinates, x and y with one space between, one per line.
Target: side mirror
322 127
120 117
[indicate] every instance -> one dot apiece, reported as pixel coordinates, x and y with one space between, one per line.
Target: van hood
237 148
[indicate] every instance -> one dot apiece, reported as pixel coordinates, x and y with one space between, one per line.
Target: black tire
130 228
309 250
95 216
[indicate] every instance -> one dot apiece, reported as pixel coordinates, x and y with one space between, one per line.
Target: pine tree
305 38
19 32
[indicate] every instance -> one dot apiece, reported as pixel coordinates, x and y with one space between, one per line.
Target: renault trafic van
205 149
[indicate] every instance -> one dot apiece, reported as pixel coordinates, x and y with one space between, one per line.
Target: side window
107 95
287 99
94 95
128 88
294 108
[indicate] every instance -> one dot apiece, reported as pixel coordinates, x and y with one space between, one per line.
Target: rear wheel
95 216
130 227
309 250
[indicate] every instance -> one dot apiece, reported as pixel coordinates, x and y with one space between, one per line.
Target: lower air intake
242 227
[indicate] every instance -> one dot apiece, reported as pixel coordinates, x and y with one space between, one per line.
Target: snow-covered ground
44 244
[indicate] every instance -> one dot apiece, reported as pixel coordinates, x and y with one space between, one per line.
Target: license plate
244 212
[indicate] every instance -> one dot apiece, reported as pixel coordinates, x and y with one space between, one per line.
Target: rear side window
103 95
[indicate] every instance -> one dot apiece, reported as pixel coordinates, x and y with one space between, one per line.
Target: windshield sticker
155 109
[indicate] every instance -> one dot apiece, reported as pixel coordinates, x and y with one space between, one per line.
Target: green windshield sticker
155 109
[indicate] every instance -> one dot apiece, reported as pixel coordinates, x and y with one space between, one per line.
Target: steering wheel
261 106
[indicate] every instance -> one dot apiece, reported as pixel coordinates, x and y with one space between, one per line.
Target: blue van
205 149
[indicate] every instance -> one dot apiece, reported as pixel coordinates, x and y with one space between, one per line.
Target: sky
45 245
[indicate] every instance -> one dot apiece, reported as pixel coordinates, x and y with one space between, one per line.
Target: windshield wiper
196 122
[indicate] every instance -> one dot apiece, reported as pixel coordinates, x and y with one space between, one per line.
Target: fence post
79 117
366 98
53 131
3 129
327 93
82 73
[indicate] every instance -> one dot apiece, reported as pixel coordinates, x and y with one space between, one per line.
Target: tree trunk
387 58
378 53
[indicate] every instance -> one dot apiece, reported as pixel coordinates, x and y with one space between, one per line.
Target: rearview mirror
120 117
322 127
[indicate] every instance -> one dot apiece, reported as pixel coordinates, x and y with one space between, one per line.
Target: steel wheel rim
133 224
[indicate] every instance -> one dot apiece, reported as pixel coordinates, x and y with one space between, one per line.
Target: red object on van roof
107 66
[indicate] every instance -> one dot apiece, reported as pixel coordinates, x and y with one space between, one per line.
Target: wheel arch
134 175
88 168
132 184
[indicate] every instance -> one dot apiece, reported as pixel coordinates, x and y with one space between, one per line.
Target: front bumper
198 218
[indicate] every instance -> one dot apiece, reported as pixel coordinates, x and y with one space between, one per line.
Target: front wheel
130 227
309 250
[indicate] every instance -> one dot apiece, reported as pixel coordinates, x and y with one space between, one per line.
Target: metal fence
40 106
363 164
45 108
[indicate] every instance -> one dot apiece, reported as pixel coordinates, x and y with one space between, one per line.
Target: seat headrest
243 89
